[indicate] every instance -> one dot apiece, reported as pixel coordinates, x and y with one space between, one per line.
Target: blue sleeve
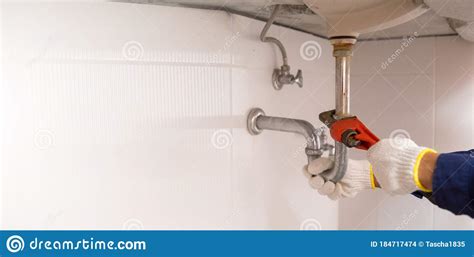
453 182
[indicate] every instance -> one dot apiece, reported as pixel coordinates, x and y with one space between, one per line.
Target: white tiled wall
133 116
426 93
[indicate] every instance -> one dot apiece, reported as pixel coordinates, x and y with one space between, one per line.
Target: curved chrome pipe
277 42
315 138
281 76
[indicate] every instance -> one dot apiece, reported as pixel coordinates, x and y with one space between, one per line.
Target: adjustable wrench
353 133
348 130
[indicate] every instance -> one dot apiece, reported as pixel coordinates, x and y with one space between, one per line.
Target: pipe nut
342 53
313 152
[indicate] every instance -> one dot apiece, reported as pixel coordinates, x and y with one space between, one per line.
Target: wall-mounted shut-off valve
281 76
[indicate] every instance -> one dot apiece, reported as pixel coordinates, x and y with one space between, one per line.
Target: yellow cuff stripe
372 177
416 168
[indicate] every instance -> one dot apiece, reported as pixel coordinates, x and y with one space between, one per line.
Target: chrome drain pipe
316 144
343 54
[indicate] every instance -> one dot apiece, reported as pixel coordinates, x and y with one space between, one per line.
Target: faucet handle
298 79
283 77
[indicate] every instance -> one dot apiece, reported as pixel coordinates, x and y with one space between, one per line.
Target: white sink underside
299 17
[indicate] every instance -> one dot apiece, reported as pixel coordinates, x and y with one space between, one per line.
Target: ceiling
444 17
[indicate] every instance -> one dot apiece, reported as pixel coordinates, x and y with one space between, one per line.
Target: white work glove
395 164
357 178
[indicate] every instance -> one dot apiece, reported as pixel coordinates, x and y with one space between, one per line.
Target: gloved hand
395 164
357 178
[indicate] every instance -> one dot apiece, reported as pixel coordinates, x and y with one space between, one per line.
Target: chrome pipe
273 40
342 86
281 76
300 127
342 53
340 163
257 121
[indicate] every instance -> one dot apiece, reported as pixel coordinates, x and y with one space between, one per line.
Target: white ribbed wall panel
133 116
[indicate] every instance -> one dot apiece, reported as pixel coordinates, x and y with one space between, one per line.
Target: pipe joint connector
314 153
342 53
342 50
342 46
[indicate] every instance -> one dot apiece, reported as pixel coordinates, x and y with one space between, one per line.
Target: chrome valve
283 77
